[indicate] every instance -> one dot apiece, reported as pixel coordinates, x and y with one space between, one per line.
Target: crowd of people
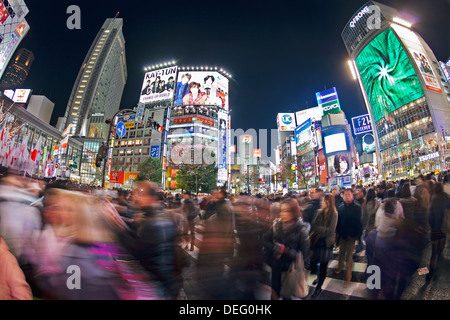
62 241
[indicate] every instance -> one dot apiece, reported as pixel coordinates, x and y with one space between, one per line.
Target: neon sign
359 15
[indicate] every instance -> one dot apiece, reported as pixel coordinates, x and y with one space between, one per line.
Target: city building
18 69
408 105
96 94
198 122
41 107
64 151
13 28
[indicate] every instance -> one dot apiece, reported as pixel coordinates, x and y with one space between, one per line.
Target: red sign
116 177
3 13
322 164
256 153
182 120
205 121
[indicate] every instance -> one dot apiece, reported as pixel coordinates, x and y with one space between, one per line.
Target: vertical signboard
222 158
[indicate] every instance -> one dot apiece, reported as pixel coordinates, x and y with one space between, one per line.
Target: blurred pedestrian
13 285
323 237
287 237
438 219
191 211
349 229
157 233
215 249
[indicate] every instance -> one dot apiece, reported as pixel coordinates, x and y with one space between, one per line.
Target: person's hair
194 84
389 206
337 159
148 188
405 191
438 188
294 207
209 76
348 190
371 195
423 196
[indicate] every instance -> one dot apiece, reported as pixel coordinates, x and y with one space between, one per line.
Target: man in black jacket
314 206
157 234
349 229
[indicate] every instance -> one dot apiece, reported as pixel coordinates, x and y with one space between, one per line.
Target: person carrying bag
295 280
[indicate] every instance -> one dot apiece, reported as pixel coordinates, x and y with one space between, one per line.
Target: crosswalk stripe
331 283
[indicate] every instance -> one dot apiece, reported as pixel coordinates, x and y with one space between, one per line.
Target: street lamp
111 126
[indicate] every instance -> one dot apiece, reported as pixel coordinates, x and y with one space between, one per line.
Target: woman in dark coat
323 237
287 237
440 204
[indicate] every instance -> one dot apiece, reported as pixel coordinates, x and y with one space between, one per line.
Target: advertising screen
21 95
158 85
328 101
339 165
335 143
388 76
303 137
425 69
201 88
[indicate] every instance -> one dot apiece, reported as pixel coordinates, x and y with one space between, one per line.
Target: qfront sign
358 16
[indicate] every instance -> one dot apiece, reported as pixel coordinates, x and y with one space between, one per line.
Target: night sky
279 53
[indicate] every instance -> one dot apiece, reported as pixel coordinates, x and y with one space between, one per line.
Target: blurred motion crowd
62 241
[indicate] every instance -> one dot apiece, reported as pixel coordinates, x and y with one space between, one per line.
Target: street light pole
111 126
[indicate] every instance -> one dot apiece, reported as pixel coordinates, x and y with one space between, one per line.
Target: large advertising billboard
158 85
304 137
201 88
388 76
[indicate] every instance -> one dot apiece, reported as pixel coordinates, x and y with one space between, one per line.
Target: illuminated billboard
335 143
201 88
425 70
388 76
21 95
339 165
361 124
286 121
304 137
158 85
328 101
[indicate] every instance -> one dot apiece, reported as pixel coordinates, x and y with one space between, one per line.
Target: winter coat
387 225
349 221
294 236
369 211
311 210
440 205
409 207
12 280
325 229
157 235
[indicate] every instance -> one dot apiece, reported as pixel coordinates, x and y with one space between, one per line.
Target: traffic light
155 125
160 128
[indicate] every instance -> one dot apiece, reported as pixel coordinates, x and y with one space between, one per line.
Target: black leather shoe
316 292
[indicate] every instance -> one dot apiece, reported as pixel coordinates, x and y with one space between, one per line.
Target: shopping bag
294 282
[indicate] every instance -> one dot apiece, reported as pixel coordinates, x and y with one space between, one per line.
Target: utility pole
108 141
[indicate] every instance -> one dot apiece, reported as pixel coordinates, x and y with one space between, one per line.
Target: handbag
294 282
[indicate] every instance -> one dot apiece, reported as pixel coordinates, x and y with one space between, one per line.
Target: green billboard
388 76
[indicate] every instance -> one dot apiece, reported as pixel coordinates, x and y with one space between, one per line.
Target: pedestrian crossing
333 288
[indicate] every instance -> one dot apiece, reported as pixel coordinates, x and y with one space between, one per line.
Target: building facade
13 28
97 93
399 78
18 69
